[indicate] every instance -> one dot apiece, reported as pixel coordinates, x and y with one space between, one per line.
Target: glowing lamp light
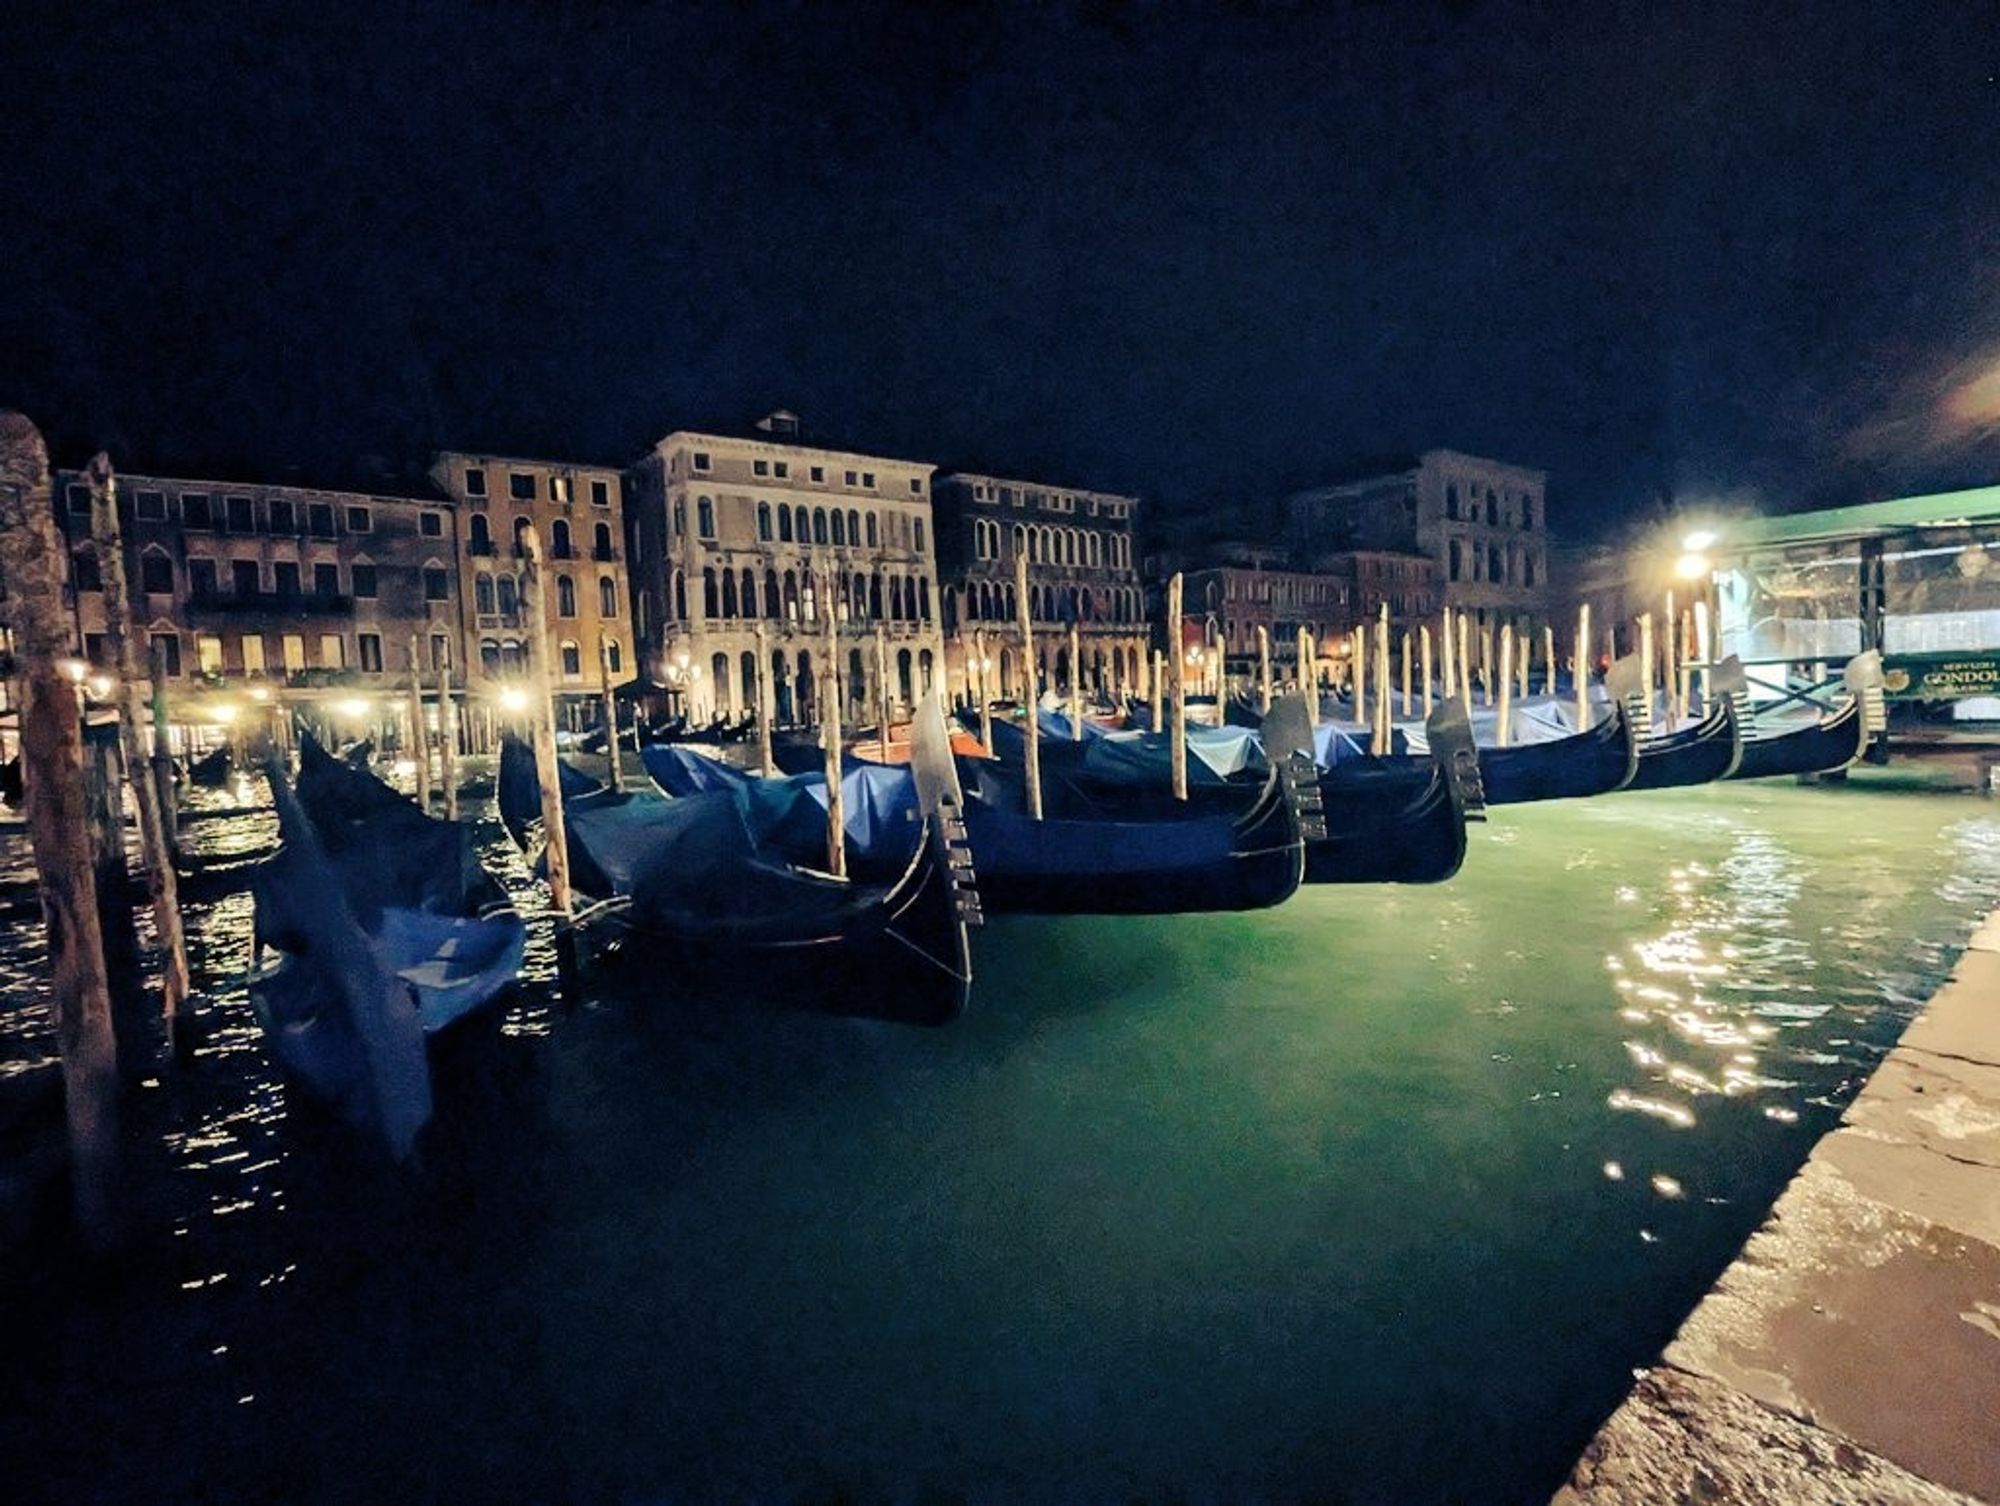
222 713
513 698
1692 566
1700 539
100 686
259 693
353 707
73 670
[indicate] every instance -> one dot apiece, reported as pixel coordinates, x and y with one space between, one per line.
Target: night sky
1201 253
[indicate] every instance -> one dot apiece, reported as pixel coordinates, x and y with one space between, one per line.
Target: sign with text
1941 677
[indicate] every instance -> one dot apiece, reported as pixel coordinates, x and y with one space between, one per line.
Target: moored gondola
387 932
212 770
1837 739
689 893
1709 750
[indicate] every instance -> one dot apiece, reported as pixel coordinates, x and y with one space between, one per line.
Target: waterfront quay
1852 1352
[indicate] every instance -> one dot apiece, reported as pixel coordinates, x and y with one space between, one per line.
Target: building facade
1481 523
737 535
1082 570
284 585
1239 587
578 512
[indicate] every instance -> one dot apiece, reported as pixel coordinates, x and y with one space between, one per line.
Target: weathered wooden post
542 723
1486 665
1309 672
1549 660
104 816
1030 692
765 700
1446 658
1382 690
1357 671
1424 657
829 741
1159 691
420 737
1704 650
1581 668
1525 639
615 768
163 751
155 844
1668 671
1503 728
51 723
1465 658
1406 673
1177 667
448 739
1646 661
1075 684
1263 668
882 684
1685 627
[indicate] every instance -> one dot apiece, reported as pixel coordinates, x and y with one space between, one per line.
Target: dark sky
1203 253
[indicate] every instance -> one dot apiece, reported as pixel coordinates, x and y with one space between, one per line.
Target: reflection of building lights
222 713
100 686
514 698
259 693
1699 540
1692 566
353 707
73 670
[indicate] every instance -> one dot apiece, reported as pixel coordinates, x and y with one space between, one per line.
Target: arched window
680 517
489 657
839 527
784 525
1492 506
559 545
857 677
607 596
709 602
614 657
860 595
875 591
704 517
512 658
772 605
925 665
791 597
718 666
572 660
903 686
1494 568
749 592
680 597
728 594
747 668
510 597
764 522
872 539
854 528
924 597
482 597
819 525
565 596
521 527
1095 548
601 541
1527 569
480 541
802 523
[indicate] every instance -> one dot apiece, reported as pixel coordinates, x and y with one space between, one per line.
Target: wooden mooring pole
1503 727
1030 691
829 736
542 724
1424 657
1263 668
765 701
448 739
615 766
155 840
882 684
1176 666
1581 667
32 555
163 750
420 736
1075 684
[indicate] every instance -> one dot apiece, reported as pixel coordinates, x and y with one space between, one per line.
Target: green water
1378 1197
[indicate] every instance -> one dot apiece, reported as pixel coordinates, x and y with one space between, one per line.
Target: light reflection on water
1216 1206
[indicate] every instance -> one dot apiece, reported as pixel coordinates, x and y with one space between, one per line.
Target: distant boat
693 894
212 770
388 933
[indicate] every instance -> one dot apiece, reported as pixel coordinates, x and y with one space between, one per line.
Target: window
326 580
781 468
431 525
480 539
167 652
1528 512
156 574
151 506
916 486
201 579
284 518
600 546
1456 563
871 531
572 661
207 654
701 460
802 524
332 651
784 525
319 520
839 527
79 499
711 605
728 593
559 541
437 583
440 651
520 486
287 578
920 539
475 481
680 517
819 473
868 478
600 494
851 478
370 647
195 510
764 522
482 594
240 519
704 517
854 528
607 596
559 489
489 657
819 535
521 527
83 571
293 652
565 596
508 593
253 653
364 582
761 467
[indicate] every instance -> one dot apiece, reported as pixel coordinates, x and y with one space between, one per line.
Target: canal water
1378 1197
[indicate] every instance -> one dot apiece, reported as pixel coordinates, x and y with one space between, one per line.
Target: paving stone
1944 1103
1907 1177
1963 1020
1681 1438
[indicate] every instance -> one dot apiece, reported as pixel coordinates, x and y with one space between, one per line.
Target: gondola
1839 738
388 935
1210 854
212 770
686 889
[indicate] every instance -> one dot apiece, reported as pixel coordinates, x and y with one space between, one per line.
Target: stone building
1239 587
1481 523
579 512
285 585
733 533
1082 569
